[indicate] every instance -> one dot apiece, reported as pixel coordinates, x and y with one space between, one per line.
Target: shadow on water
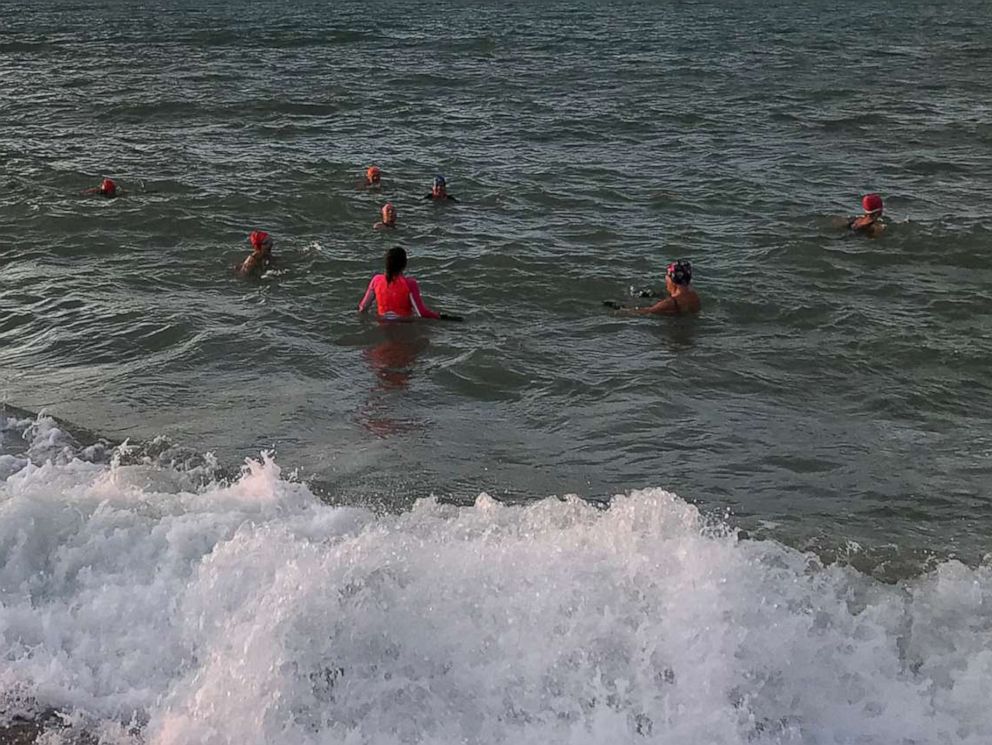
392 359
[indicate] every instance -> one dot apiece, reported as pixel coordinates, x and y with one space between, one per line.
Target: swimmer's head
395 263
373 175
679 272
388 214
440 187
872 204
261 241
108 188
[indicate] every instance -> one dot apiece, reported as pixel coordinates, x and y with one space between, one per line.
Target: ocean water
470 532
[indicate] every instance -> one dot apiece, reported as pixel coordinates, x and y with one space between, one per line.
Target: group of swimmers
397 297
373 179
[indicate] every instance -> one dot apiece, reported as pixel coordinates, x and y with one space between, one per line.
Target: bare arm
367 300
248 265
661 308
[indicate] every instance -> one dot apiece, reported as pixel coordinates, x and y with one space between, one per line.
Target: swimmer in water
107 188
682 298
373 177
870 223
388 217
397 297
261 257
439 190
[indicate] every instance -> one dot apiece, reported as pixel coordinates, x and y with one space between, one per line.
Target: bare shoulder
249 265
663 307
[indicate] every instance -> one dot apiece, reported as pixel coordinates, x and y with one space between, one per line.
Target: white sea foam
251 612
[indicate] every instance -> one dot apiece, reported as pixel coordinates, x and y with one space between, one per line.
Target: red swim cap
108 186
372 173
872 203
260 239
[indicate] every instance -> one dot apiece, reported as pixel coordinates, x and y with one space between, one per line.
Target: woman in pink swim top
396 296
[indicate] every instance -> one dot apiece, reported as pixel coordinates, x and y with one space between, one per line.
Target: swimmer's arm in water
875 229
661 308
870 226
367 299
418 302
249 265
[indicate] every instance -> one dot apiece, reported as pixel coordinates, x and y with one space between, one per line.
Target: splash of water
250 612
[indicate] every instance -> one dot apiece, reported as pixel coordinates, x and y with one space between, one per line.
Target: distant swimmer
870 223
439 190
397 297
388 217
682 297
107 188
373 176
261 254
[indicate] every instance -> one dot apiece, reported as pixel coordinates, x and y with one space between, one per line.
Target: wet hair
680 271
395 263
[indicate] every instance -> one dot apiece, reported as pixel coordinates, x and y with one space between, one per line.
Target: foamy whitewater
143 608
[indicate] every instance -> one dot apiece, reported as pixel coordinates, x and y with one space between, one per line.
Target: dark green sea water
834 389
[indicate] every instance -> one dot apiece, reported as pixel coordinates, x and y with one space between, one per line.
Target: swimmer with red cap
373 177
388 217
870 223
261 257
107 188
439 190
682 297
397 297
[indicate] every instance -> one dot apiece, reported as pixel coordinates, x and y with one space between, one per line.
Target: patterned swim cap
680 271
439 181
260 239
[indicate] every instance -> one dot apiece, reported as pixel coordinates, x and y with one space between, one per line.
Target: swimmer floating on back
388 217
397 297
439 190
870 223
682 298
261 257
107 188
